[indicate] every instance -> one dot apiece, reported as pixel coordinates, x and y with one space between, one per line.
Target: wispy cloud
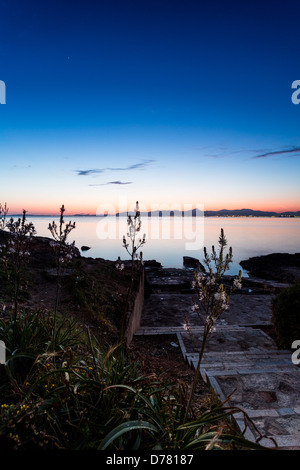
207 155
88 172
111 182
22 166
137 166
223 152
277 153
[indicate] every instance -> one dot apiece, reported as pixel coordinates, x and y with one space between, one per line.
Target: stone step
241 358
166 330
257 361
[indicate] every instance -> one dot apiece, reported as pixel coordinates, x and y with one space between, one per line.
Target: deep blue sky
174 98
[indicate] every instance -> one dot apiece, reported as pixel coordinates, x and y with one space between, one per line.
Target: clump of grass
95 398
63 252
15 255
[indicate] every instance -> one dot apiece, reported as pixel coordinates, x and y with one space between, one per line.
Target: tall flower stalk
63 252
132 246
212 297
3 213
15 254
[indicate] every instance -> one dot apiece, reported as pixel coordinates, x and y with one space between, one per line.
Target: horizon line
145 213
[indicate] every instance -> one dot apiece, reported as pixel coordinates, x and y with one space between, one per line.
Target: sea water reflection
168 239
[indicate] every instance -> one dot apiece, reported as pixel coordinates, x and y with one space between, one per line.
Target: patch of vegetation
286 316
84 397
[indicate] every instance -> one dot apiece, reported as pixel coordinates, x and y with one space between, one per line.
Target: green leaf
123 428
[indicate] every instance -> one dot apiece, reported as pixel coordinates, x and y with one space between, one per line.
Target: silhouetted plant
15 254
3 213
63 252
132 246
119 264
212 297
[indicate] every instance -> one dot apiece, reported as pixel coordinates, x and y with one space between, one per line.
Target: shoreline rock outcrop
282 267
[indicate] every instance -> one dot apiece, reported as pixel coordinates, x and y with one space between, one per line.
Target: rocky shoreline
279 267
282 267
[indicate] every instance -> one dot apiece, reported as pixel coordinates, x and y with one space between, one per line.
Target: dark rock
283 267
41 252
268 396
190 262
152 264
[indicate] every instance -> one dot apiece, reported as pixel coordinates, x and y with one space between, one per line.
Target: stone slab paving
261 380
240 360
164 308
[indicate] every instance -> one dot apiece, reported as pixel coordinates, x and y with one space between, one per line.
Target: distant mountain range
220 213
250 213
191 213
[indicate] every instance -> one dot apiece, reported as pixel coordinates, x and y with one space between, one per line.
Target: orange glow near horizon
39 208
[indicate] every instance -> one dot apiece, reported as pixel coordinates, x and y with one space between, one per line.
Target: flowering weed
212 297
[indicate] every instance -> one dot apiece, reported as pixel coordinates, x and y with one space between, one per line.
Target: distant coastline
190 213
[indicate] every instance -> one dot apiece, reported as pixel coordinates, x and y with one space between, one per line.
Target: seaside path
240 358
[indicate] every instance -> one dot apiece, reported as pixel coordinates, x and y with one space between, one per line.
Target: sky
166 102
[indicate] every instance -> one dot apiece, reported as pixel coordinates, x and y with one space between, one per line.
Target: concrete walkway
240 359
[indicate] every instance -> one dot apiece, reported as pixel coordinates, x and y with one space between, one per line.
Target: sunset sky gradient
162 101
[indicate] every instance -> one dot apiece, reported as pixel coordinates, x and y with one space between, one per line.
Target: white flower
119 265
220 296
237 284
200 295
211 281
210 323
200 277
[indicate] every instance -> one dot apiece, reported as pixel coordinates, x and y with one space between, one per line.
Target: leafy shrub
29 337
286 316
96 399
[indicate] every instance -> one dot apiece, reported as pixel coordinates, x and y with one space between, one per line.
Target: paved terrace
240 358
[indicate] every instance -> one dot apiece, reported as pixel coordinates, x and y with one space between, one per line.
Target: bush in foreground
286 316
83 396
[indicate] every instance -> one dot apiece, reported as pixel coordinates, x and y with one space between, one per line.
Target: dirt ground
160 357
95 296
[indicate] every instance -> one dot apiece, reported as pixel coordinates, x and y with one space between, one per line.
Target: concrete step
241 361
167 330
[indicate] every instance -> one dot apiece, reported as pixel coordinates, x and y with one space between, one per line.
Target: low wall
134 319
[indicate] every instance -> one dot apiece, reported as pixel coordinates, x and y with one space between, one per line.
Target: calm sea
168 239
